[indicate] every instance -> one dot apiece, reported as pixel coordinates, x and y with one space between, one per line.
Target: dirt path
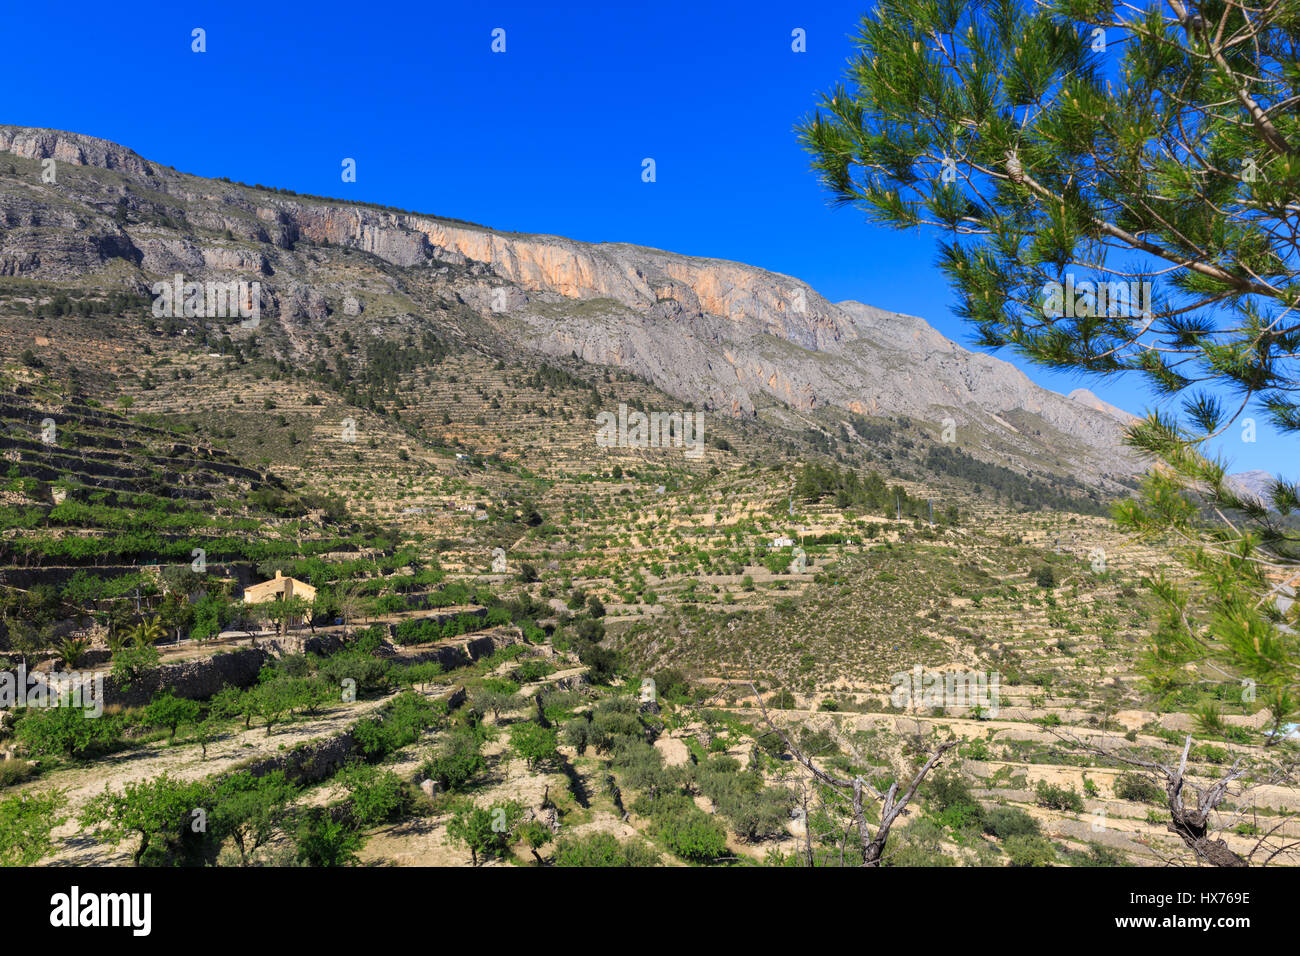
185 761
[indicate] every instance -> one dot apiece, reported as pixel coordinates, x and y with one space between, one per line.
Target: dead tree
807 825
1192 824
858 791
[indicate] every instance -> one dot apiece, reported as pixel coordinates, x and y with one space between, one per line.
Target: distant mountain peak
1085 397
1255 484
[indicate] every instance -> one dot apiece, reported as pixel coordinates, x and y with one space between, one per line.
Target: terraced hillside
520 645
92 493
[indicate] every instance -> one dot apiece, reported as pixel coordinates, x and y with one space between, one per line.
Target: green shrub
376 796
1057 797
1139 788
602 849
1210 753
249 810
1030 851
169 711
533 670
671 684
67 731
457 761
132 663
1008 822
400 723
919 845
26 820
486 831
371 675
324 841
533 743
158 812
15 771
687 830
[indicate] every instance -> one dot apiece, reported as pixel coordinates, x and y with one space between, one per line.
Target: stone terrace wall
319 759
196 680
464 650
200 679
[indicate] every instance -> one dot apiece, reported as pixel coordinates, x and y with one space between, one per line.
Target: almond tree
857 793
158 811
26 820
1117 185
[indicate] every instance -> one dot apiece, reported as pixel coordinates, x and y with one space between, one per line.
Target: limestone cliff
725 335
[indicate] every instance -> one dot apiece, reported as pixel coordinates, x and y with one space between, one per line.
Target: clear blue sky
547 137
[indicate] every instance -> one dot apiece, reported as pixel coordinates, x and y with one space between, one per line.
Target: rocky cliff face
1255 484
72 148
725 335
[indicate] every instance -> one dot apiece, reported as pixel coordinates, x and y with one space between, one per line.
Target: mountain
731 338
1085 397
1256 484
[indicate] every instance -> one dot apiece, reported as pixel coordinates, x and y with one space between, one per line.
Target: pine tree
1117 187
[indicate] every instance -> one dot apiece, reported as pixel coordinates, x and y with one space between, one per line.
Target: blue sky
547 137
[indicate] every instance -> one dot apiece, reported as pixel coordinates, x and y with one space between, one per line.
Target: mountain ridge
732 337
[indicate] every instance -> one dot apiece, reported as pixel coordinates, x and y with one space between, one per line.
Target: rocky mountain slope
728 337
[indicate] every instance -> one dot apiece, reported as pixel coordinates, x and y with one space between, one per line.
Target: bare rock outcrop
727 337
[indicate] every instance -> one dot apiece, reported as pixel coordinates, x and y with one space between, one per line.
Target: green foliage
601 662
919 845
951 800
66 730
26 820
601 850
533 670
756 812
976 750
1056 492
457 760
689 832
1058 797
16 771
372 676
485 831
376 796
1008 822
159 812
1027 850
495 695
671 684
249 810
533 743
324 841
132 663
684 828
426 630
168 710
1135 786
612 720
400 723
850 489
